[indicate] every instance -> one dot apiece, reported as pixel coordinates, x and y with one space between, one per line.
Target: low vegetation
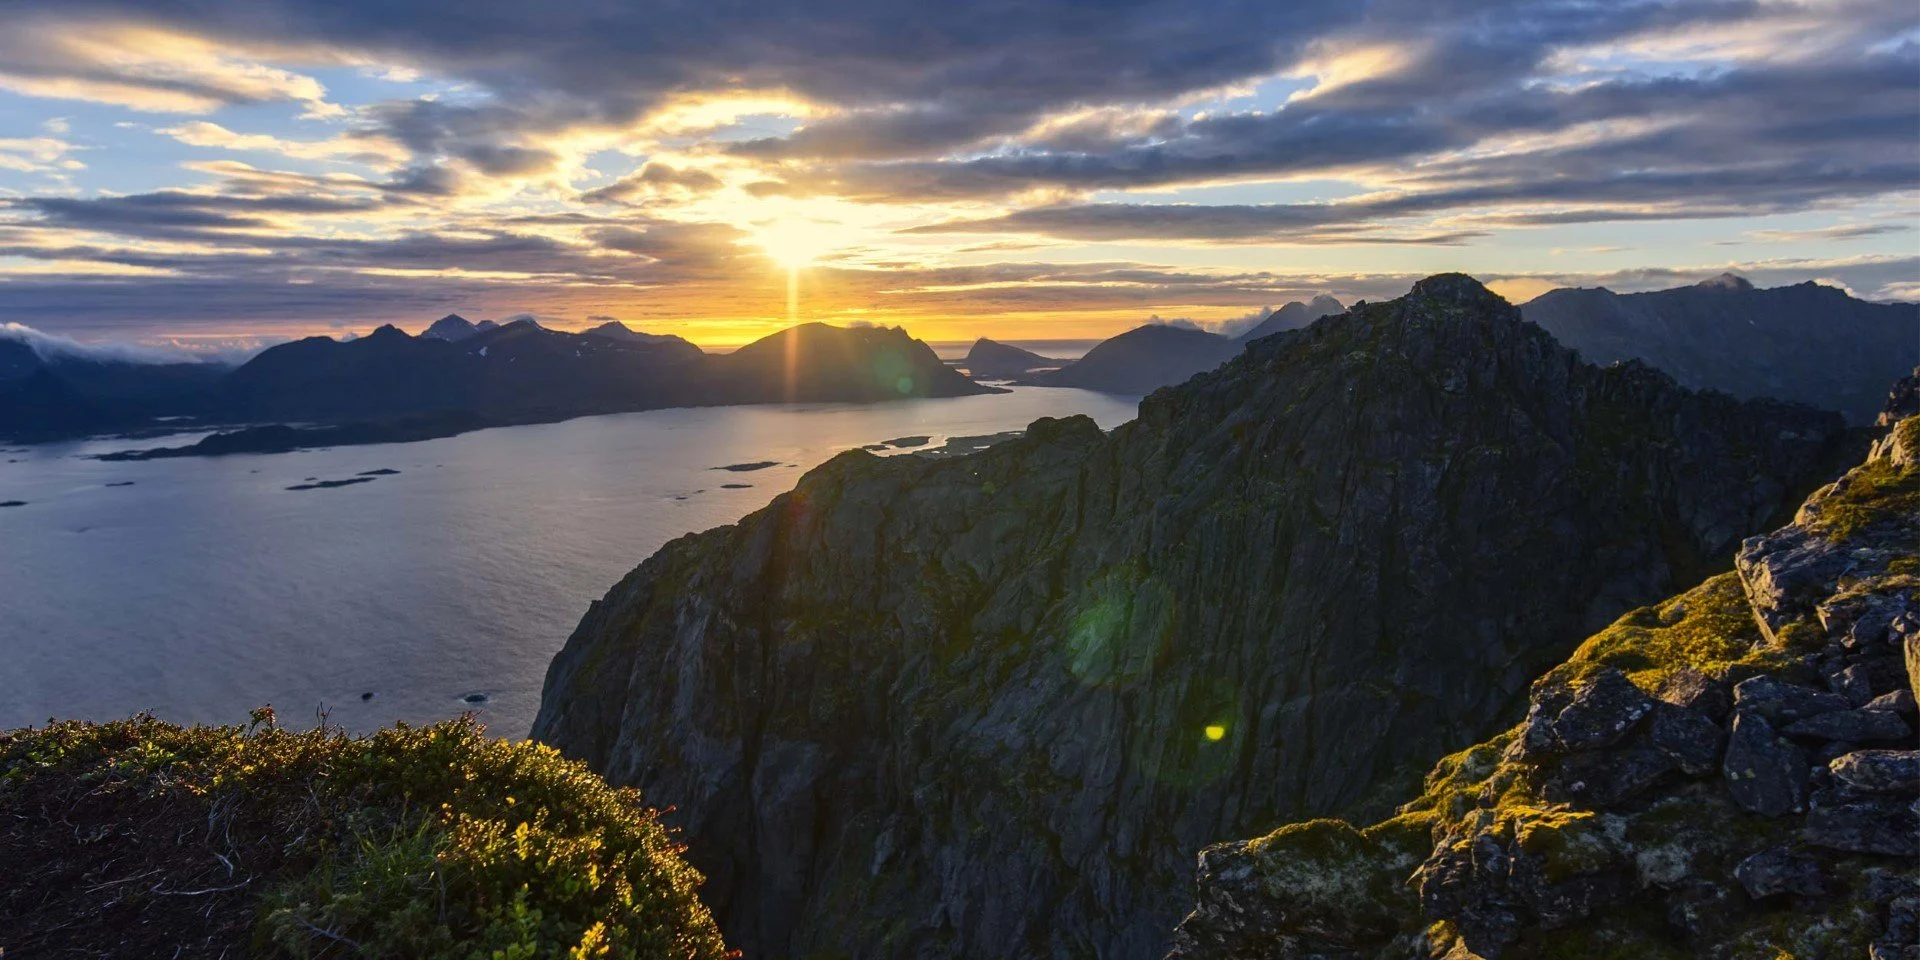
142 838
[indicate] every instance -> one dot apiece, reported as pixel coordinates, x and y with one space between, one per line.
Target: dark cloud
654 180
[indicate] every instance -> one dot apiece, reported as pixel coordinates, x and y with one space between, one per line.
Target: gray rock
1693 690
1854 726
1863 823
1899 701
1765 774
1780 870
1688 738
1779 702
1601 712
1603 780
1879 771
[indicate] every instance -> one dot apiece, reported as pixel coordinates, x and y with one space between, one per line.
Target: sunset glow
224 170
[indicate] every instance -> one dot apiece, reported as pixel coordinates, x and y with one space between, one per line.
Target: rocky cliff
1731 773
1809 343
993 705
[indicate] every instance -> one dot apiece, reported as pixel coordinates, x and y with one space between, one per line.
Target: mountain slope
452 328
991 706
1293 316
1809 343
522 372
817 362
57 395
1143 360
993 360
1729 774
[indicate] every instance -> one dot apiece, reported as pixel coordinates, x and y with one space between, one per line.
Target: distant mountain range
1809 343
457 376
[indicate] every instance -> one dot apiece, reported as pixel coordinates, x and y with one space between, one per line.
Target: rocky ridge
993 705
1731 773
1809 343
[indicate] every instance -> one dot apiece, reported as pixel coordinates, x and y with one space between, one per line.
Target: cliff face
1807 343
991 706
1729 774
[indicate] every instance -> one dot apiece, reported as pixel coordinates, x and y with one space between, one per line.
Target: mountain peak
1456 288
450 328
1726 281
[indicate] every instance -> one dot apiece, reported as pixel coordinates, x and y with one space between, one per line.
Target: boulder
1879 771
1687 737
1863 823
1765 774
1777 701
1600 712
1780 870
1854 726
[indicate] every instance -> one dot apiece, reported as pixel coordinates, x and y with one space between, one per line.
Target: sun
792 244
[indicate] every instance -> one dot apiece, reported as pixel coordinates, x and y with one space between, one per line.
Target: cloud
655 180
53 347
141 67
353 148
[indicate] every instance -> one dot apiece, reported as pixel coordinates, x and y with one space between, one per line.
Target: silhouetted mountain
1143 360
993 360
1809 343
816 362
991 706
1293 316
452 328
41 406
389 386
47 397
515 372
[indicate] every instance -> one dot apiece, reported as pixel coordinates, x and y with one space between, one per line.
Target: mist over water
207 588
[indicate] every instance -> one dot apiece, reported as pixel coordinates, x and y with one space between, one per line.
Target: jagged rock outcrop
991 706
1592 830
1809 343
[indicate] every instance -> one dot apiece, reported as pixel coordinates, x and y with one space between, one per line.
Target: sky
212 171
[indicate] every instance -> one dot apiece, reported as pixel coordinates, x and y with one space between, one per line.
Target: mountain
1730 773
1293 316
452 328
992 706
993 360
49 396
1809 343
615 330
817 362
1143 360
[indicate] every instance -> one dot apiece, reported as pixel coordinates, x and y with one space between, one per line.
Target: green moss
431 842
1708 628
1880 492
1569 842
1326 869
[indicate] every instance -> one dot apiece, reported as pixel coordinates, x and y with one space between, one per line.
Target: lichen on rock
1801 840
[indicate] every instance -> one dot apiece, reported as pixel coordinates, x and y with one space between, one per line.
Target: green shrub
416 842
